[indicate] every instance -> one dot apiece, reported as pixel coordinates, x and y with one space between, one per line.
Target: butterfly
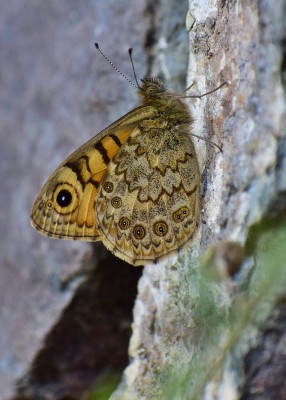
135 186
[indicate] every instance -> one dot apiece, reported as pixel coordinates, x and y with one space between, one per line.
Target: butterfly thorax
168 105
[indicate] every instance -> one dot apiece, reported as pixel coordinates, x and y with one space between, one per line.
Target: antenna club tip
96 45
130 51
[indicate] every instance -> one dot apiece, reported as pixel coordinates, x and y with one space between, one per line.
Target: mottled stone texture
57 92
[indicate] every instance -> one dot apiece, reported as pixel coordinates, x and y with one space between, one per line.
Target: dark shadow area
89 340
265 364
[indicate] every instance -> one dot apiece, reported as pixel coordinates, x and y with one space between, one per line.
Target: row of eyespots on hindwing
160 228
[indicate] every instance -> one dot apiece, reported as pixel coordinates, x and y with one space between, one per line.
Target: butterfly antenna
114 66
199 96
133 68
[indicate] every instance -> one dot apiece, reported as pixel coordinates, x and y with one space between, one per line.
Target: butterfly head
152 88
169 105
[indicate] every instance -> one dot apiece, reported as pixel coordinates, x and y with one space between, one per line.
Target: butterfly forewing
65 206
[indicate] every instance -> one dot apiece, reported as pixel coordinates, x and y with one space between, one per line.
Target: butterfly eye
160 228
124 223
116 202
139 232
108 187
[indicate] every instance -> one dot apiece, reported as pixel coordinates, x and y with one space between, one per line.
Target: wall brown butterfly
135 186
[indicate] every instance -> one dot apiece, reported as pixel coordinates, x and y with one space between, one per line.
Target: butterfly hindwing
148 203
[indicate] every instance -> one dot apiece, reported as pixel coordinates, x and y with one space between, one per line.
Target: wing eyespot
181 214
65 198
185 211
108 187
124 223
49 205
116 202
160 228
139 232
